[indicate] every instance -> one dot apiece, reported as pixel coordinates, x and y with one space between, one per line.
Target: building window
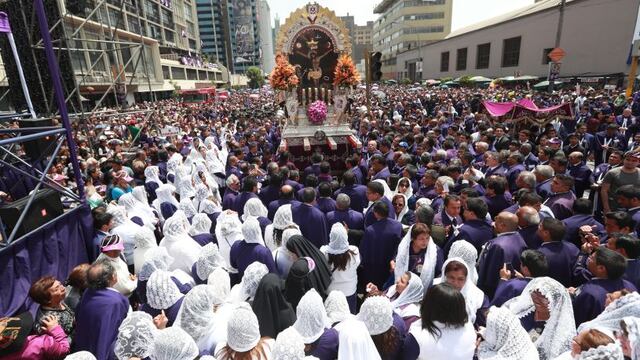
152 11
461 60
169 36
444 61
177 73
166 72
483 56
155 32
167 18
192 74
511 52
545 56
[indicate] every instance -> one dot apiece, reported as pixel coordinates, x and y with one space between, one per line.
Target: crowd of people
451 235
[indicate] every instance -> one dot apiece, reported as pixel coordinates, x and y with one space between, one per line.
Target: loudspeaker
45 207
40 147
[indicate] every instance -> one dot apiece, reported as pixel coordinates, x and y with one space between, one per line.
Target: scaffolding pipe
56 77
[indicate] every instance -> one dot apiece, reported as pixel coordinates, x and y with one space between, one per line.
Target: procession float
313 79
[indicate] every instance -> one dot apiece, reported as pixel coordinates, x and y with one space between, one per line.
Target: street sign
554 70
556 54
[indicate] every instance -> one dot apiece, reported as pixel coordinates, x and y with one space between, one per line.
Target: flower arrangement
346 74
283 76
317 112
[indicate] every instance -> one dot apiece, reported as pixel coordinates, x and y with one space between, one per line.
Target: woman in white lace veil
254 207
202 194
407 303
209 260
145 241
136 335
140 193
163 295
505 338
216 165
152 174
135 209
430 258
355 341
200 224
179 244
243 335
629 337
282 257
173 343
164 194
337 307
197 316
185 189
609 319
560 327
467 252
311 316
125 228
81 355
154 259
187 207
251 231
246 290
288 345
220 285
473 296
273 232
228 231
404 187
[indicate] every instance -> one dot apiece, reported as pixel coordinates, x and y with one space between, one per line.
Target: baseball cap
122 174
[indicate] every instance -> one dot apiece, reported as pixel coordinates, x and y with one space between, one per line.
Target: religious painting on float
313 38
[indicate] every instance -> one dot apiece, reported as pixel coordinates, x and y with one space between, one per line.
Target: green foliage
466 81
256 78
406 81
445 79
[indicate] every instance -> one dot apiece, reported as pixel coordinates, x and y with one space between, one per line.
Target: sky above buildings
465 12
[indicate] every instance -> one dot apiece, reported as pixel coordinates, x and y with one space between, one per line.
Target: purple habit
378 247
171 312
98 316
508 290
505 248
326 347
312 222
243 254
561 204
561 257
591 297
240 200
353 219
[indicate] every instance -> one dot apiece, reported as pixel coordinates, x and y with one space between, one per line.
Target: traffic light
375 66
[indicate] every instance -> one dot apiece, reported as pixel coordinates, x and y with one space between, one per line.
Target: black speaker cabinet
45 207
40 147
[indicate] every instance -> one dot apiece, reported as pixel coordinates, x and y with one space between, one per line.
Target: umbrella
452 83
432 82
526 78
391 81
480 79
506 78
544 84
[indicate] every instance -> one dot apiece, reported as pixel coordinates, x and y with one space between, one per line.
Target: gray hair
343 201
530 215
232 179
100 275
545 171
528 178
446 180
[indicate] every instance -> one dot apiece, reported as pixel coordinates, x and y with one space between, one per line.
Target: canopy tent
480 79
526 78
527 111
432 82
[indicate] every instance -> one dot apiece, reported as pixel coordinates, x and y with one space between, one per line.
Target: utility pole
558 35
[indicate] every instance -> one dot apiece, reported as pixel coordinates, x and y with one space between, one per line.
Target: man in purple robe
493 165
528 221
352 167
533 264
449 216
580 171
325 203
496 196
582 209
628 197
310 219
99 313
379 167
475 229
608 268
544 176
561 201
506 247
428 185
231 192
314 168
271 192
343 214
286 197
375 192
561 255
249 190
629 247
357 192
514 161
379 245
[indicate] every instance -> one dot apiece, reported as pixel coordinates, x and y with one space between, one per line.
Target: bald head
506 222
286 192
343 201
527 216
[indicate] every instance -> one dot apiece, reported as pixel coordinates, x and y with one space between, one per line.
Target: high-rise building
244 31
275 31
404 25
266 37
211 22
360 37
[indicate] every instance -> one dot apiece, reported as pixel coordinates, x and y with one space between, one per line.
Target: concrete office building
268 60
213 25
407 24
361 37
597 37
274 32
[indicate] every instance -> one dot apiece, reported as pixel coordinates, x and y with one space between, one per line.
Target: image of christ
314 57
